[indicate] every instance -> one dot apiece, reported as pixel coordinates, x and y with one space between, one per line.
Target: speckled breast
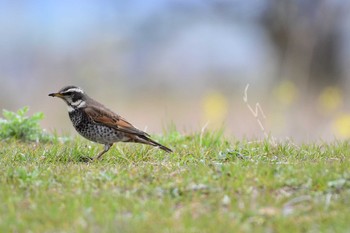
93 131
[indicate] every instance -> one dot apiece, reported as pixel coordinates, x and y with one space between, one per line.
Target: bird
97 123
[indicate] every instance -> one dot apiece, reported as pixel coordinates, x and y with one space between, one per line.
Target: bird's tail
146 140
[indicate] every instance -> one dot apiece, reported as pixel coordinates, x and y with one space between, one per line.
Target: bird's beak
56 95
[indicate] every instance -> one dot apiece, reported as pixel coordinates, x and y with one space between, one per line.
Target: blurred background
184 63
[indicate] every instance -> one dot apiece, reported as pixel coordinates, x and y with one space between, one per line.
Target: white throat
70 108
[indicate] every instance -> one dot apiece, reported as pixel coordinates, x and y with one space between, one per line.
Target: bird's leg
107 147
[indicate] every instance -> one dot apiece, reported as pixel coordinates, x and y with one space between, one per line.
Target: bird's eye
75 97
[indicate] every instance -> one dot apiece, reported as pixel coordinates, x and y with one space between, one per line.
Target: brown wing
106 117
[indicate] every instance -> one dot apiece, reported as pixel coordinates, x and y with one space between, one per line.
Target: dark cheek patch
75 98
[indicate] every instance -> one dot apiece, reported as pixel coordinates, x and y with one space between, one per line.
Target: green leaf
21 127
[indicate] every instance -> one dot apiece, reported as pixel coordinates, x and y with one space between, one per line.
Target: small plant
20 127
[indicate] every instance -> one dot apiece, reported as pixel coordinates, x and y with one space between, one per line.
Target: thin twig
258 109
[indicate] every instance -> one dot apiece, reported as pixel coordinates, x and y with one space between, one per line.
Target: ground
209 184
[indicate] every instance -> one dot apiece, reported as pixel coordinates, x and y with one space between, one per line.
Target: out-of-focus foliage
18 126
156 61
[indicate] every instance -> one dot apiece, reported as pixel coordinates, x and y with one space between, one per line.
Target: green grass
209 184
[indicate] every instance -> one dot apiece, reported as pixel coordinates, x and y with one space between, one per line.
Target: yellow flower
215 107
330 99
341 125
286 93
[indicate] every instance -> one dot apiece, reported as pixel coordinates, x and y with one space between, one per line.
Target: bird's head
73 96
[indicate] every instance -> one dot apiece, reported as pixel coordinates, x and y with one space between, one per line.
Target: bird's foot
85 159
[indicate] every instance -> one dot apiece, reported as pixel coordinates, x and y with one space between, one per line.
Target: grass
209 184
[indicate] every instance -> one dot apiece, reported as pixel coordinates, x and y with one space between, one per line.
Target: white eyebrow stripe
74 90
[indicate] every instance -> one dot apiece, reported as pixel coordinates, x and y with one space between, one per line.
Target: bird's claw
85 159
